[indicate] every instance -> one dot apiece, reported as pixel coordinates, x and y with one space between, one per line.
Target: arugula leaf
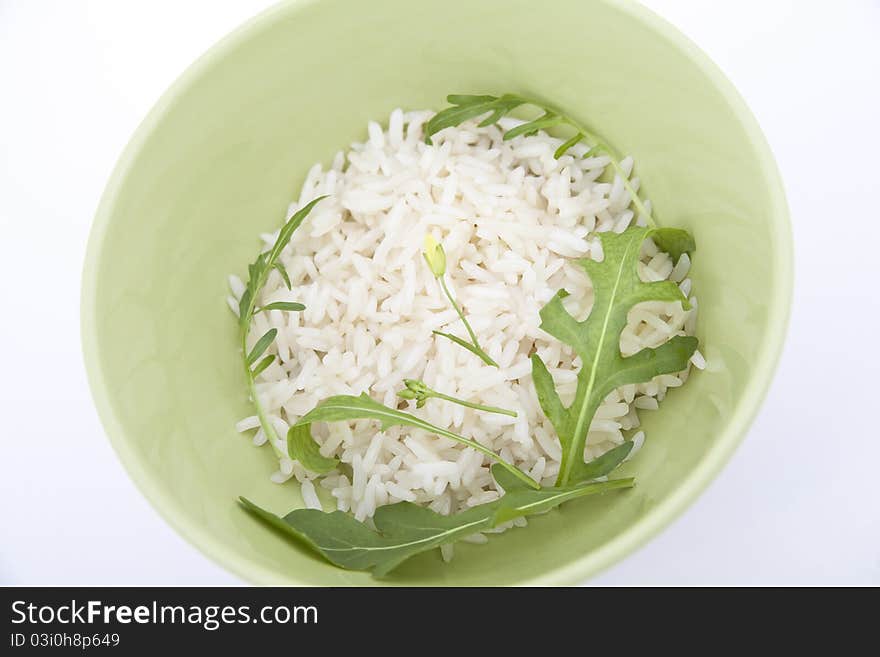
674 241
518 502
596 340
548 120
281 269
302 447
605 464
262 365
476 351
569 143
258 271
282 305
348 407
405 529
350 544
465 107
261 345
466 99
470 107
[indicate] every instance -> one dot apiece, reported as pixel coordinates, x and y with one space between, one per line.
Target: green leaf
476 351
302 447
674 241
288 229
547 395
548 120
454 116
283 271
605 464
348 407
563 149
617 288
492 119
262 365
465 99
258 271
283 305
598 467
508 482
267 260
405 529
277 522
244 306
257 267
470 107
261 346
520 502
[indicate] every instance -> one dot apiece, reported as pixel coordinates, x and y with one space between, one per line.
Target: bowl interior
224 151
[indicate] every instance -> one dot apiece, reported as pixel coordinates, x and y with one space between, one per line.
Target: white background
797 504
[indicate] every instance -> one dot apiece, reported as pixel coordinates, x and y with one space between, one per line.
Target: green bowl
226 148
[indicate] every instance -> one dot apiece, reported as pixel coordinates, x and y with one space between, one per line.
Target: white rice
510 218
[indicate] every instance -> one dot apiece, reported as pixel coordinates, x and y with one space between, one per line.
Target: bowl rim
579 569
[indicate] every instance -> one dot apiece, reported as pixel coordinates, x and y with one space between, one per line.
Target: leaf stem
512 469
245 324
347 407
417 390
265 422
478 350
464 321
479 407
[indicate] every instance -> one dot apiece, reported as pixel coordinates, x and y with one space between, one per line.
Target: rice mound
511 219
